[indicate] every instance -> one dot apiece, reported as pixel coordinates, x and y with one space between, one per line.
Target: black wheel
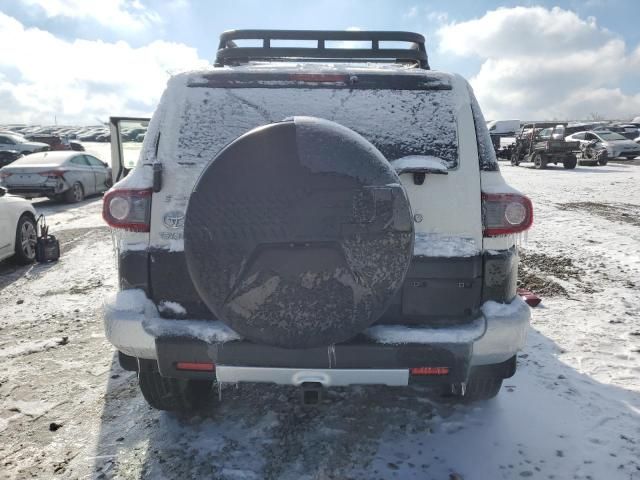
478 388
75 194
26 235
603 161
172 394
629 158
539 161
570 162
514 160
265 196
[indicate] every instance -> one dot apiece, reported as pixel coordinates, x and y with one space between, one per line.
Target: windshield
15 138
399 123
611 136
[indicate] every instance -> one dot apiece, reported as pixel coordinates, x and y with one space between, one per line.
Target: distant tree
595 116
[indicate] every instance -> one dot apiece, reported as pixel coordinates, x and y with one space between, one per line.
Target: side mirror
3 191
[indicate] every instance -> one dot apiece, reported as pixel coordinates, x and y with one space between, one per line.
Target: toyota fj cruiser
316 217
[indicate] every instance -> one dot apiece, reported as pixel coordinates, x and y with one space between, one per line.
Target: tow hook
311 393
459 388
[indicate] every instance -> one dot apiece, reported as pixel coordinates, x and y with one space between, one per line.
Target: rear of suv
316 217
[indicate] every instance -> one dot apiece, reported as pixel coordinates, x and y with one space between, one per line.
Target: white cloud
81 81
116 14
545 63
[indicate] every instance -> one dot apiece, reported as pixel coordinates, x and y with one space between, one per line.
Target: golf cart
544 143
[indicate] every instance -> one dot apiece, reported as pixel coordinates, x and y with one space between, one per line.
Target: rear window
39 159
398 122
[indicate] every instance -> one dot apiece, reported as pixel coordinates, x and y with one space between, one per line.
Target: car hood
35 144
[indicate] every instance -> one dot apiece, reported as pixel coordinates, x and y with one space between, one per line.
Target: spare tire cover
298 234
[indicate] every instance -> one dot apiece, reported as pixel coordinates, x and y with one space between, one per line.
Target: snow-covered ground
572 410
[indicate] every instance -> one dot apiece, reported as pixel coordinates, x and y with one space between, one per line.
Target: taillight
196 366
429 371
53 173
5 174
505 213
319 78
128 209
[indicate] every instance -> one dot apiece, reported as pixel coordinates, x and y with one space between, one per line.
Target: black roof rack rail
231 54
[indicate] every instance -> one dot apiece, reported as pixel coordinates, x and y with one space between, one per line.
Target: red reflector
318 77
197 366
429 371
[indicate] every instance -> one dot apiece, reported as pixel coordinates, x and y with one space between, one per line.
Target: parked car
616 144
9 156
65 175
18 231
627 131
56 142
305 253
19 143
503 127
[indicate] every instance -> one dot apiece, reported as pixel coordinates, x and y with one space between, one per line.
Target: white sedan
18 231
616 144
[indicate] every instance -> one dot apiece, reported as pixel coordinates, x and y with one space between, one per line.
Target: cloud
81 81
123 15
542 63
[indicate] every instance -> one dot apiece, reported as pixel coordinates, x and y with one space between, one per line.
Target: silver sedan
61 175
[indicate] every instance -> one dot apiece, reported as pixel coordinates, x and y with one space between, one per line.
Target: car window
611 136
590 136
545 133
93 161
6 140
79 160
579 136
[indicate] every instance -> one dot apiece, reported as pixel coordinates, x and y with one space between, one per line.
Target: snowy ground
572 411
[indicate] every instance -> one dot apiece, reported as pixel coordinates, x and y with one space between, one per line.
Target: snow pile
516 308
134 306
206 330
440 245
398 334
172 308
419 163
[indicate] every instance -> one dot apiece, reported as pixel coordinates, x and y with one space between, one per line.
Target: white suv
316 217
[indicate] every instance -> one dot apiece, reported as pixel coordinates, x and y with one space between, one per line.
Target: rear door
402 115
100 173
81 171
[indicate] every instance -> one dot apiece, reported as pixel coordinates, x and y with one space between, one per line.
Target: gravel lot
67 410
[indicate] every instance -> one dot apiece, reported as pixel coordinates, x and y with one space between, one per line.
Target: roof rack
231 54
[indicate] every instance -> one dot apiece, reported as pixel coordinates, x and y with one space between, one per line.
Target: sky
81 61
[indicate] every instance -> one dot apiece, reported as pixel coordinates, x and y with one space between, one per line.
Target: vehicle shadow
549 421
579 169
10 271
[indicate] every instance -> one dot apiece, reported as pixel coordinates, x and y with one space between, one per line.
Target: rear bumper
494 338
37 190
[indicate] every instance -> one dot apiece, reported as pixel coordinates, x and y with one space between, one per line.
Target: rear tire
26 238
539 161
514 160
570 163
172 394
75 194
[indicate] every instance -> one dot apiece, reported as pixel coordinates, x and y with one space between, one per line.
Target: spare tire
298 234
